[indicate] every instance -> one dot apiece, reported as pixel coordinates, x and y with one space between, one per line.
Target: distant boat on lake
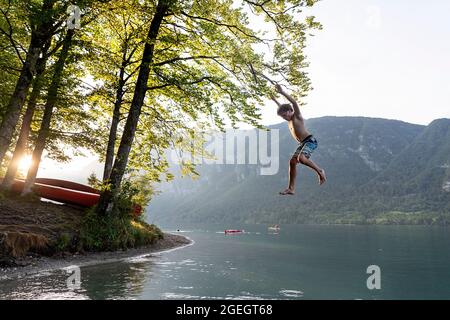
274 228
231 231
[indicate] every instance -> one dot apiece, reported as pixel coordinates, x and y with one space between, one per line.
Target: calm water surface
300 262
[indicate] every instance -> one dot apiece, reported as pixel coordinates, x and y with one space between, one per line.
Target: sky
378 58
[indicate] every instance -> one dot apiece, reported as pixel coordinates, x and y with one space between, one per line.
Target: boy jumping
307 142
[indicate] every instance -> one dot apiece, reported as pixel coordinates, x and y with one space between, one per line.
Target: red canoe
233 231
65 192
57 190
67 185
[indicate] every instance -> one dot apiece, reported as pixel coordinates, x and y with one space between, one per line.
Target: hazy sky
379 58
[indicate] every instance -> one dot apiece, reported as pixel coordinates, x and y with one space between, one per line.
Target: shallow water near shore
298 262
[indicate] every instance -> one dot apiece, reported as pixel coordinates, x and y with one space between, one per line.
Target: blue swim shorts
306 147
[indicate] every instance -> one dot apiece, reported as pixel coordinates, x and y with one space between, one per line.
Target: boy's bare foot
287 191
322 177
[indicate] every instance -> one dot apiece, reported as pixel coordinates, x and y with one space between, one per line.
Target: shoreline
43 264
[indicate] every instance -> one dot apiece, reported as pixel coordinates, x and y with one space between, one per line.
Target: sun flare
25 164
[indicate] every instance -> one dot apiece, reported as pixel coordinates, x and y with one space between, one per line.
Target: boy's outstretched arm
274 99
291 100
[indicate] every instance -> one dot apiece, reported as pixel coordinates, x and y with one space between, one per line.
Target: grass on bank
116 231
120 229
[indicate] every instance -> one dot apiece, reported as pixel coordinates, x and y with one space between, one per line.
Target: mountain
378 171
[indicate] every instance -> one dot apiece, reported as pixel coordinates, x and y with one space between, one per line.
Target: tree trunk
17 100
52 97
115 122
21 145
39 37
105 204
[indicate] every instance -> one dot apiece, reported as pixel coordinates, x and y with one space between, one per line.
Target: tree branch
184 59
218 23
269 14
10 32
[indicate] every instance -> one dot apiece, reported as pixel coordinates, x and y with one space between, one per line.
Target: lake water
300 262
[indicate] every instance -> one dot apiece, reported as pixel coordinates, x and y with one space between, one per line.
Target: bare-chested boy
307 142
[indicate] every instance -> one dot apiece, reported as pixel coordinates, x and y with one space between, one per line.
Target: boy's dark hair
284 108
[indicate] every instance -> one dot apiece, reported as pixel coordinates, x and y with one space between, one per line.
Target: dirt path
30 225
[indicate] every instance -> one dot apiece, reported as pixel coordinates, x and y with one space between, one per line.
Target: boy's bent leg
309 163
290 190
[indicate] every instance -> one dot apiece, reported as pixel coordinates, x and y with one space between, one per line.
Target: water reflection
118 280
121 280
